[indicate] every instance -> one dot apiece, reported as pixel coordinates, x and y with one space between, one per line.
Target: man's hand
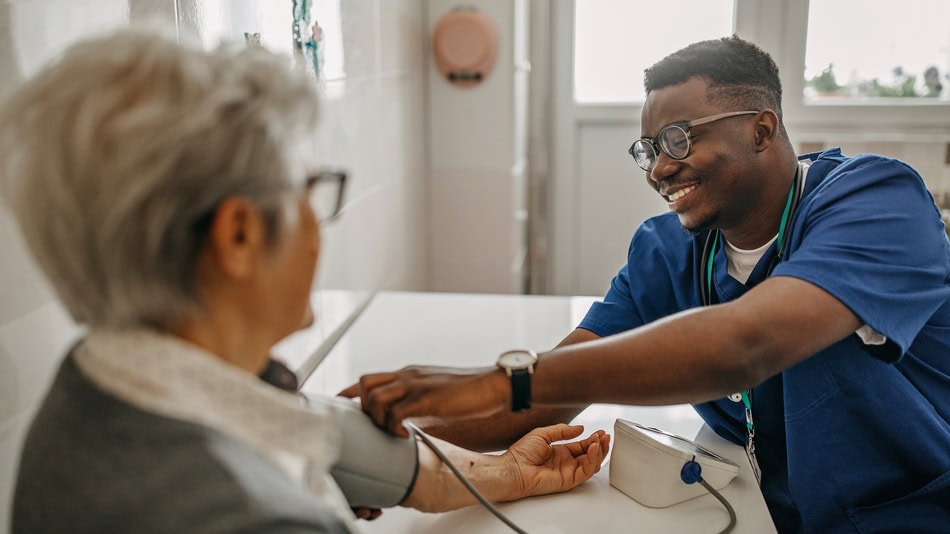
545 468
430 392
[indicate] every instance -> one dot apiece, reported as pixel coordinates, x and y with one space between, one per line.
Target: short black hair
741 75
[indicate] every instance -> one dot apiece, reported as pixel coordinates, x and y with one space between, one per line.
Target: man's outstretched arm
692 356
499 431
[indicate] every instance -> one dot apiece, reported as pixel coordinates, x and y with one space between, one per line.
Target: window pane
876 48
615 40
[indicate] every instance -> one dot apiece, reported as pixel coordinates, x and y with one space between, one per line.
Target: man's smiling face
711 187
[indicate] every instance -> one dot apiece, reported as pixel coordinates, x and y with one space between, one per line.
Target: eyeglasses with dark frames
326 189
673 140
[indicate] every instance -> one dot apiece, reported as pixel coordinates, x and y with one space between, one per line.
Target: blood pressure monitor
646 465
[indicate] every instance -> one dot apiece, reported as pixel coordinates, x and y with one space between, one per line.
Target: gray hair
114 158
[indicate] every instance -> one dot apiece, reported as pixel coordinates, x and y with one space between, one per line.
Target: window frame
884 119
780 27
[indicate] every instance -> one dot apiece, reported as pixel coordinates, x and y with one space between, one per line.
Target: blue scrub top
856 437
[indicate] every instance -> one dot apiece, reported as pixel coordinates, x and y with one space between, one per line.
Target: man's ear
237 237
766 129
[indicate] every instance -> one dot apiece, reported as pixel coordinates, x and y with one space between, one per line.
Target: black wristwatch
519 364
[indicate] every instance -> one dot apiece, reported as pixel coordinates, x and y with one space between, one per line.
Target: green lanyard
746 396
779 245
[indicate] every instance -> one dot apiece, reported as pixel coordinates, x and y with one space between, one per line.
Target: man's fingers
351 391
379 401
426 404
369 386
390 398
395 417
368 383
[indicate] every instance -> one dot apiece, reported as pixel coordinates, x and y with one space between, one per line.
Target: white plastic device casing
645 464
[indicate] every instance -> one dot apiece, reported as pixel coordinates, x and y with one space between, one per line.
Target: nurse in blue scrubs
804 311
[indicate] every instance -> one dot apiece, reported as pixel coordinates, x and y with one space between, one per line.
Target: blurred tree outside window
854 49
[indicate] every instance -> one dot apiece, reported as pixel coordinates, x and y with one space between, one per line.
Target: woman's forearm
437 489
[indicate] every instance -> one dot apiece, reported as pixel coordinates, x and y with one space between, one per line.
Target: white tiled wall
373 124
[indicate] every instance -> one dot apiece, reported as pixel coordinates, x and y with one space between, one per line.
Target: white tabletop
398 329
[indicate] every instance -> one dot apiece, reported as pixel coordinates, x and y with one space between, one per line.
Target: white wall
478 163
372 124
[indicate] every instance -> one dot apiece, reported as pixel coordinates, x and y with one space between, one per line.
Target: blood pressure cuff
375 469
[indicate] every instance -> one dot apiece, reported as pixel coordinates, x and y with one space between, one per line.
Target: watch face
517 359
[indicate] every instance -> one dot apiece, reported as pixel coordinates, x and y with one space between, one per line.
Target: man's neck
762 222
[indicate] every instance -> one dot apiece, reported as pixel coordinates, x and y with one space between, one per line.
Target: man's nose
664 168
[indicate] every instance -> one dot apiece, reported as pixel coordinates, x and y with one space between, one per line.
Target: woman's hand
545 468
365 512
423 392
534 465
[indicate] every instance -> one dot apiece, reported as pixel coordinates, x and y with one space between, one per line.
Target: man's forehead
674 103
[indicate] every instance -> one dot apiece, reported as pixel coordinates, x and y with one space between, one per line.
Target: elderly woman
169 196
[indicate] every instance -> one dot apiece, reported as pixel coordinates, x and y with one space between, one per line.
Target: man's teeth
681 193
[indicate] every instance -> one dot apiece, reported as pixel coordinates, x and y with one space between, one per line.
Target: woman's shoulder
95 462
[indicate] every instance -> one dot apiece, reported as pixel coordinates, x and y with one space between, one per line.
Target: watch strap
520 390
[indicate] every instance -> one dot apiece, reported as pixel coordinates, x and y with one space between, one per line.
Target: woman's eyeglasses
326 189
673 140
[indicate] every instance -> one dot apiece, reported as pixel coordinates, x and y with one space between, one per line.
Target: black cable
468 485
